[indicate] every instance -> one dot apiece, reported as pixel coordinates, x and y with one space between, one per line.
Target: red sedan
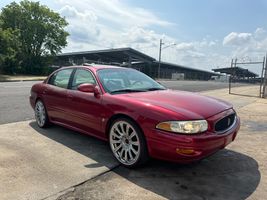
137 116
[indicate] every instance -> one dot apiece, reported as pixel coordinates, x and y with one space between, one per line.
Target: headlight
185 127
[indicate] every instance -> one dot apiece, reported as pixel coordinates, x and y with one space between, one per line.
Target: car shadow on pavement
224 175
86 145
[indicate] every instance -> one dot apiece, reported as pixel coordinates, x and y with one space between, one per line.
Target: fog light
185 151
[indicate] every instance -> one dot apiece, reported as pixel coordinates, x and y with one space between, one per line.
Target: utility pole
264 94
230 77
160 46
160 49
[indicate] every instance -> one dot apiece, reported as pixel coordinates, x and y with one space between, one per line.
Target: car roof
94 67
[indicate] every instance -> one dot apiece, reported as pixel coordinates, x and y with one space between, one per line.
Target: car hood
188 104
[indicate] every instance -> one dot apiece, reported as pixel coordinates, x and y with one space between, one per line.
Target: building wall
167 71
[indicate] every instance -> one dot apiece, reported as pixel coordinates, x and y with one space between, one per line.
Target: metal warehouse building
128 57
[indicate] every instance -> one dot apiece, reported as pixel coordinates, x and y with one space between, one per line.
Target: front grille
225 123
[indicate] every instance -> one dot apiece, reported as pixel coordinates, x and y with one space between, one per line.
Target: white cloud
236 39
102 24
195 54
70 12
140 35
117 12
106 24
185 46
259 33
245 45
212 43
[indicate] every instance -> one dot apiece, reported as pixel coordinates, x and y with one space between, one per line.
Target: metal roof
120 55
238 71
185 68
110 55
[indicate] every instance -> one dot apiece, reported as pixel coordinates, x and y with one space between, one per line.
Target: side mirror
86 87
89 88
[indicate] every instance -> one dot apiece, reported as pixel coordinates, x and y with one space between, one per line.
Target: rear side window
82 76
61 78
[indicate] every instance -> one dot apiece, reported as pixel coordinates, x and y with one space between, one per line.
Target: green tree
9 48
41 32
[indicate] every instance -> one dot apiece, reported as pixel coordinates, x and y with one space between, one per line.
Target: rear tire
41 116
127 143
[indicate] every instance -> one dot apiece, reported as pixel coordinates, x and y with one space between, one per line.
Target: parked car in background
137 116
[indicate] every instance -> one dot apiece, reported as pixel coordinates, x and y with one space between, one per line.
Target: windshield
120 80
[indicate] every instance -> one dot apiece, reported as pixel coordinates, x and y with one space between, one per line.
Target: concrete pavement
197 86
14 101
37 164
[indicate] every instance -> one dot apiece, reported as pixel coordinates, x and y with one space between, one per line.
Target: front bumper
188 148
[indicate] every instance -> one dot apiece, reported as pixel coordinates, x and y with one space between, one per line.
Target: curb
20 80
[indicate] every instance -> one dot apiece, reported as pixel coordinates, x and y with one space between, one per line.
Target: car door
55 95
85 108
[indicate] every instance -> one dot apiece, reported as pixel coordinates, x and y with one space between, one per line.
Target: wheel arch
37 99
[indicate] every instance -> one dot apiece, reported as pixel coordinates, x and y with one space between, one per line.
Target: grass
4 78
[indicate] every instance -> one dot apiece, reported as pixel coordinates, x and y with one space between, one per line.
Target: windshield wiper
126 90
154 89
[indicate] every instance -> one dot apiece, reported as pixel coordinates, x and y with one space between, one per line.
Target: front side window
82 76
61 78
120 80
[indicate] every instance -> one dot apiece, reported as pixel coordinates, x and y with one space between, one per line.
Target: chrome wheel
40 114
125 142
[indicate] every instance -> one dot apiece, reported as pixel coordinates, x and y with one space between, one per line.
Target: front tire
41 114
127 143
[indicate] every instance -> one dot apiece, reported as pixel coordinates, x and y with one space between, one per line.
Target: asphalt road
14 102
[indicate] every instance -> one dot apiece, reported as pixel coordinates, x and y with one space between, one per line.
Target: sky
204 34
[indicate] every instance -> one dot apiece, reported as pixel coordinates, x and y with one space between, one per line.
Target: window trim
73 74
55 74
71 78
